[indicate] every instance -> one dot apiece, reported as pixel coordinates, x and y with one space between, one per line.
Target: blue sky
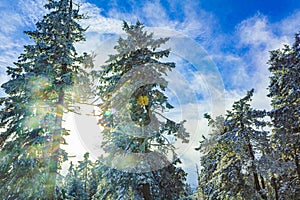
236 35
228 12
217 25
232 12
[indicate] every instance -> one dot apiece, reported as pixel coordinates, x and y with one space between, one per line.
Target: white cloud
289 26
199 23
10 22
98 23
15 18
31 11
260 36
155 14
193 23
259 33
244 66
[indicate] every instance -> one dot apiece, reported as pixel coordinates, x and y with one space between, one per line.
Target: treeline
254 154
50 79
241 159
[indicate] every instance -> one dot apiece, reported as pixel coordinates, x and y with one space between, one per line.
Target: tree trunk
146 187
56 138
262 180
55 146
255 175
274 184
146 191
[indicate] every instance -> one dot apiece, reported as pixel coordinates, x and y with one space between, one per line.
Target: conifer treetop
132 87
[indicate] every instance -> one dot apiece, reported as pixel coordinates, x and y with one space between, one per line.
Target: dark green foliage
82 181
41 86
229 161
132 88
273 171
165 183
284 90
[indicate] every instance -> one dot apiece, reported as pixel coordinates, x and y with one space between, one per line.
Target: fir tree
136 141
165 183
40 89
284 90
230 163
82 181
208 183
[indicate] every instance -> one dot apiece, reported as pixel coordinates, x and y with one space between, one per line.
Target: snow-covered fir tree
81 182
284 90
40 89
231 152
136 133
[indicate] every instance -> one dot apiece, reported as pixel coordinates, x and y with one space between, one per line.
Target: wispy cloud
97 22
259 36
11 35
31 11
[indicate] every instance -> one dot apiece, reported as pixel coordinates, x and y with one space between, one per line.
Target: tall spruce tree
136 140
230 160
209 185
40 89
284 91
